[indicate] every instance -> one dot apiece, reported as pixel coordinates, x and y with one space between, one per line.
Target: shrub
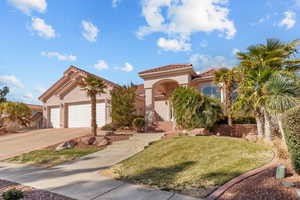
123 105
109 127
139 123
194 110
13 194
291 124
244 120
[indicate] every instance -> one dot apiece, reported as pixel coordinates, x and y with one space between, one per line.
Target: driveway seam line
172 195
103 193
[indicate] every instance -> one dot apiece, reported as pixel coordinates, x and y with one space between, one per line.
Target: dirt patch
265 186
29 192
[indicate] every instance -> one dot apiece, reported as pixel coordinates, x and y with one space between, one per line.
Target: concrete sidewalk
81 180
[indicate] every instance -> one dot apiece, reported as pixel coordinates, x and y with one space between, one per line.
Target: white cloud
42 29
39 90
182 18
27 6
28 97
127 67
203 62
59 56
90 31
235 51
115 3
173 45
101 64
11 80
289 20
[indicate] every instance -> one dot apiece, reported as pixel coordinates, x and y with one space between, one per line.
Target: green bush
194 110
122 102
291 125
139 123
13 194
109 127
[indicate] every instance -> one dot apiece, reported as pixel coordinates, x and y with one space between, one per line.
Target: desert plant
139 124
109 127
291 126
123 105
93 86
13 194
194 110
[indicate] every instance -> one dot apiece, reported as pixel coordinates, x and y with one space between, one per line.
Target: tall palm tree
225 78
281 93
257 66
93 86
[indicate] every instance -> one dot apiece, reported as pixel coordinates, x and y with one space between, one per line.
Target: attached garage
55 117
79 115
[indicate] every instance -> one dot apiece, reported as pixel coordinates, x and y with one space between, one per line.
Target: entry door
79 116
55 117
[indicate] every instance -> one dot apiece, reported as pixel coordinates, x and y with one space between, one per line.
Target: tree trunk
93 115
268 128
259 125
229 103
281 129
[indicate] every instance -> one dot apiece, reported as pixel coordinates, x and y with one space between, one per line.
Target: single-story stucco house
65 105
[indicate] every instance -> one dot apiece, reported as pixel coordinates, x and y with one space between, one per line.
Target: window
211 90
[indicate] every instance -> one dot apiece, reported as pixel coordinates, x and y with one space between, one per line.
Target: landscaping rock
66 145
251 137
287 184
101 141
198 132
105 133
298 192
3 131
88 140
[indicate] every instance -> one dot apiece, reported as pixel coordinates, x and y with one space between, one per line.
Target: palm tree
225 78
281 93
93 86
257 66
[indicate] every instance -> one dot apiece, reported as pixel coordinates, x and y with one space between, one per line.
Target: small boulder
199 132
251 137
66 145
88 140
101 141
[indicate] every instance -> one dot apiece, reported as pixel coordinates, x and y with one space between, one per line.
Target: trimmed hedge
139 123
291 125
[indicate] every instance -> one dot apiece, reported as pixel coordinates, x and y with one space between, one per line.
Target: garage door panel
79 116
55 117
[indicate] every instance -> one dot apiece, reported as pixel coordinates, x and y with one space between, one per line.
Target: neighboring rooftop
167 67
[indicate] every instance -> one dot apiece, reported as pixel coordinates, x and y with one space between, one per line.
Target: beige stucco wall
76 95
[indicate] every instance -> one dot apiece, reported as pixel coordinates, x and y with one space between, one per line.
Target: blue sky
116 39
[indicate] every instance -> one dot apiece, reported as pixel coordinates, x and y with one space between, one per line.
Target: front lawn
49 157
192 165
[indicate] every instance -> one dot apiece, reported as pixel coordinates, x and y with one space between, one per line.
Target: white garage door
80 115
55 117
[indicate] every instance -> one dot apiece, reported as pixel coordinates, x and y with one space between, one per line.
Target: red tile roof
210 72
167 67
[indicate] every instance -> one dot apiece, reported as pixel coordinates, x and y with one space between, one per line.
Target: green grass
50 157
192 165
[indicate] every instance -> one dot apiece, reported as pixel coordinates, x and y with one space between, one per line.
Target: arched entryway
162 90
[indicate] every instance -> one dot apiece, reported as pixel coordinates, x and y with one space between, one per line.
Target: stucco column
46 116
149 108
62 115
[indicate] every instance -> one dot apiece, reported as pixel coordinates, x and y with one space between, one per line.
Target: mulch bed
29 192
265 186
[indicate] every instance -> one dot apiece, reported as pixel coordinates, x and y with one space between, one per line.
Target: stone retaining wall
236 130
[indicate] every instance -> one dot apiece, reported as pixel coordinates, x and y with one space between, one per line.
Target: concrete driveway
17 144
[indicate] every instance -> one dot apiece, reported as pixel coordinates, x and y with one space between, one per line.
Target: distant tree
123 105
3 92
15 112
93 86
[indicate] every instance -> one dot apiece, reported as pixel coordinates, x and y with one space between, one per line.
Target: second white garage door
79 116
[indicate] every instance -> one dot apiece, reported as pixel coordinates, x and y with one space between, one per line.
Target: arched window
211 90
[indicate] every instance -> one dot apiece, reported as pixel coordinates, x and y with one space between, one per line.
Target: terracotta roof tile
210 72
167 67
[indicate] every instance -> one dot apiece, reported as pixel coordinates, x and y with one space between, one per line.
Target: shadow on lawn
163 178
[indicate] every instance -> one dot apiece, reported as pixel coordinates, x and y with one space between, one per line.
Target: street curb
220 191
